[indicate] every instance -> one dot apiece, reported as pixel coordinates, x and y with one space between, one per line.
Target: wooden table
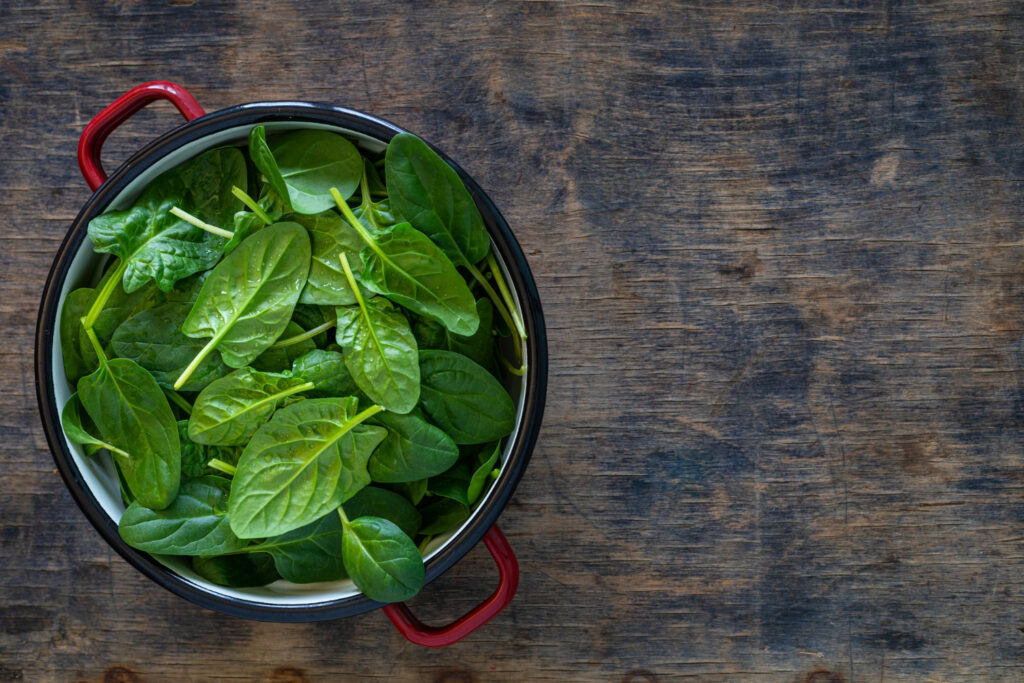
779 248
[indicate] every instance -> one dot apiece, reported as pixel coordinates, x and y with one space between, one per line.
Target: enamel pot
92 481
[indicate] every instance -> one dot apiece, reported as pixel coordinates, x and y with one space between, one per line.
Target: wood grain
779 248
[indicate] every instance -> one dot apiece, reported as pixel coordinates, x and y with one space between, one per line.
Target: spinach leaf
413 490
153 339
478 347
280 359
327 371
133 415
310 553
261 155
402 264
413 449
311 162
428 193
237 571
382 561
195 456
120 306
406 267
482 474
230 410
377 502
453 483
463 399
246 301
442 515
331 236
309 459
74 307
80 429
195 523
380 353
154 244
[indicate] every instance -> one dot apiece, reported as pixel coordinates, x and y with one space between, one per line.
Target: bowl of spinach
291 361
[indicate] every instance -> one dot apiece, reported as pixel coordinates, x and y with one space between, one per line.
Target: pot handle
119 111
440 636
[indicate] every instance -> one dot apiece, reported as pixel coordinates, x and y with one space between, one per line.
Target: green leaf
195 456
121 306
406 267
482 473
311 162
157 245
264 160
382 561
327 371
153 339
79 428
453 483
309 459
442 515
230 410
75 305
377 502
133 415
380 353
246 302
413 449
310 553
413 490
463 399
478 347
428 193
195 523
280 359
331 236
237 571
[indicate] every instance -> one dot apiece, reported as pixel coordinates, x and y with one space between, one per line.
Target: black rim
255 114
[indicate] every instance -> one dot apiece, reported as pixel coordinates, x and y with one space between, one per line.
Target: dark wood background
779 248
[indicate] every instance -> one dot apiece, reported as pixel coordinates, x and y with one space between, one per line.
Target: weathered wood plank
779 247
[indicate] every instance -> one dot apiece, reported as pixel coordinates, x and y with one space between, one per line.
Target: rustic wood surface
779 247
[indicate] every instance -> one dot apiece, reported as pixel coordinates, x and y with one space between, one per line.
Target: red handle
119 111
439 636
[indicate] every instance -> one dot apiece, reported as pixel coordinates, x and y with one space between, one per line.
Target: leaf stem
343 517
308 334
187 372
97 347
500 305
177 400
364 190
104 295
518 372
241 195
221 466
505 294
424 543
356 225
189 218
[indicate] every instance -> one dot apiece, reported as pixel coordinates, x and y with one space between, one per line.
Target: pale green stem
221 466
251 203
356 225
177 400
308 334
104 295
505 294
500 305
187 372
189 218
518 372
343 517
424 543
97 347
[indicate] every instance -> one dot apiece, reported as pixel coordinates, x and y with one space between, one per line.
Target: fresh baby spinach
297 383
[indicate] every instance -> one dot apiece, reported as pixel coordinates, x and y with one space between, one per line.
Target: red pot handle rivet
440 636
119 111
